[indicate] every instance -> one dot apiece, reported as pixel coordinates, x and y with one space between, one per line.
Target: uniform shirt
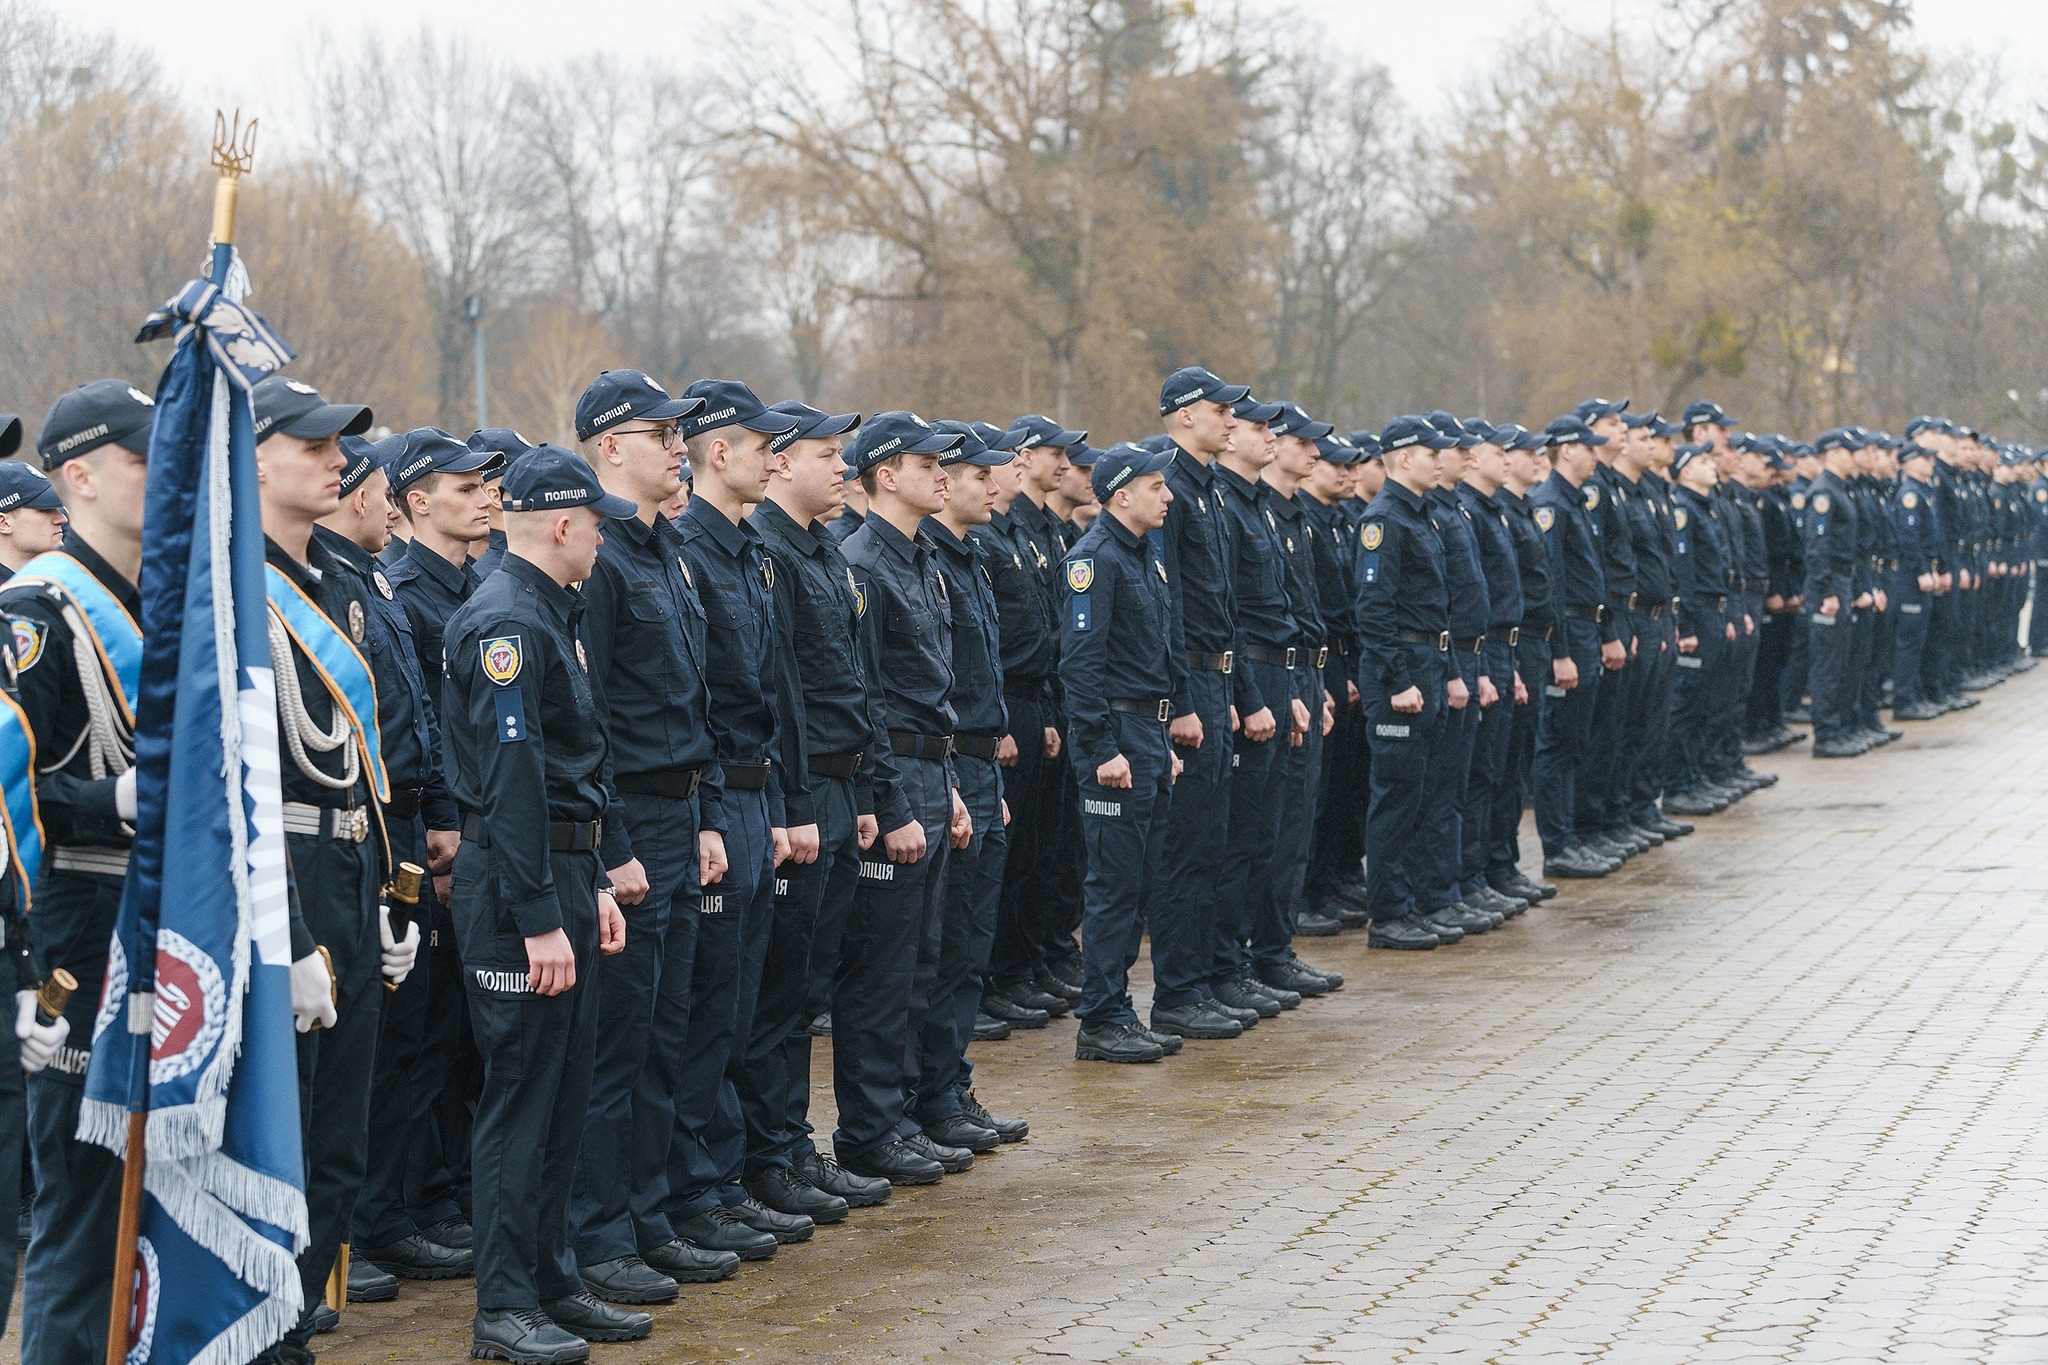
1026 616
977 641
1645 515
1872 533
1831 537
840 527
1918 528
1700 561
1336 560
493 555
2037 502
643 636
1607 497
736 584
1573 539
1400 588
1037 531
1464 579
907 611
408 729
1496 546
821 661
1198 545
1297 537
1948 509
430 589
1263 614
515 669
1743 521
1781 542
340 595
1532 559
1116 635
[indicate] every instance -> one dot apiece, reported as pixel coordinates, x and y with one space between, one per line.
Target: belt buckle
1229 660
1514 636
1165 706
1600 615
1290 652
1443 642
947 744
1322 656
352 825
597 834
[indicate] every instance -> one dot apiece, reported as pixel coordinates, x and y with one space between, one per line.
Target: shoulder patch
1081 575
1799 500
1371 534
1679 517
1909 499
1820 503
1592 495
1546 517
501 658
28 643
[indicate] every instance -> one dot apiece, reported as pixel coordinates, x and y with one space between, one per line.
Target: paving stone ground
1779 1092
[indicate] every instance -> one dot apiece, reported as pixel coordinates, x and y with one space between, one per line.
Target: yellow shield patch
1081 575
1909 499
1799 499
501 658
28 643
1820 503
1679 517
1592 496
1546 517
1372 535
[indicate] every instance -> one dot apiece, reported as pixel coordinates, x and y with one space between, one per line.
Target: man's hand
39 1042
1613 655
962 828
611 927
1006 751
1260 726
1408 703
1748 624
866 829
1488 693
312 993
1830 607
904 845
1115 773
1926 582
1565 672
1177 767
1880 599
1006 811
1299 710
398 956
1186 730
711 860
1235 724
442 846
1329 711
1688 644
779 837
551 962
1052 742
803 843
1635 646
444 888
1456 694
1350 692
1775 603
1963 579
1863 600
1731 632
1521 690
629 881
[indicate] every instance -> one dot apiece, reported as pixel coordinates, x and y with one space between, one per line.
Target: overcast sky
1431 45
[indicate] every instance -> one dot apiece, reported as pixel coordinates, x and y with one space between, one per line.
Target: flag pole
234 150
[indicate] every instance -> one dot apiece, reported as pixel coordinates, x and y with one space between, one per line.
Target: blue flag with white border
195 1026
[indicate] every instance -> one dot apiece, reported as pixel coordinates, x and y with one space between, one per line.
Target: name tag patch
1689 661
1390 731
712 903
1552 690
1089 806
877 871
503 983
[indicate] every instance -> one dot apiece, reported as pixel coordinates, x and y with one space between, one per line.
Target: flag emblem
501 658
191 1007
1081 575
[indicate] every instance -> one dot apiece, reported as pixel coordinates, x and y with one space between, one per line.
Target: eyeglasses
667 434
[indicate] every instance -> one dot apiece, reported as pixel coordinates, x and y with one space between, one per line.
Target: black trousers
1403 746
1504 827
1830 652
402 1094
1019 952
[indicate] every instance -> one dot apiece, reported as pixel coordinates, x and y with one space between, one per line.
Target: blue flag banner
195 1026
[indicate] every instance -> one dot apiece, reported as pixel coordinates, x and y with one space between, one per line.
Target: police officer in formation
750 723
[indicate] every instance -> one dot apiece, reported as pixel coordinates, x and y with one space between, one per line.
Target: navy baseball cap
1913 450
994 437
1485 432
1706 410
1123 462
1515 436
551 478
616 397
730 403
1593 409
896 433
1337 449
1156 443
430 450
292 407
1834 438
1036 429
1081 455
1193 384
1367 443
1664 430
1573 431
1294 422
1451 427
811 424
23 485
1686 454
363 458
1411 430
106 412
504 442
10 434
1634 420
1250 409
1923 423
972 448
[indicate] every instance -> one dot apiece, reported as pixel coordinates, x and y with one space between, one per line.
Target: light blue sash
18 785
341 667
114 632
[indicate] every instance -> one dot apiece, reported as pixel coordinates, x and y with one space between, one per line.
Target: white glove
398 957
124 796
39 1042
312 993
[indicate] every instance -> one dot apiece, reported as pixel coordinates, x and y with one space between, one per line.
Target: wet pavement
1779 1092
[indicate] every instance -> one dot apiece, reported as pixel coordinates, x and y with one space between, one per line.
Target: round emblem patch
191 1008
383 583
1799 499
355 622
1820 503
28 643
1679 517
1592 495
1372 534
1546 517
1081 575
1909 499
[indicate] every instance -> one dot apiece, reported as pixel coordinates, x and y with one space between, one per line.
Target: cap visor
673 410
332 419
46 501
622 508
769 422
1316 431
1067 439
1228 394
10 434
488 460
1264 412
938 443
837 425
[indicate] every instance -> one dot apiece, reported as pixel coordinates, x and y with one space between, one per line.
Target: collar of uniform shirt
1406 495
344 549
306 575
1234 481
631 529
1122 532
733 539
943 537
109 577
776 521
449 576
558 598
893 540
1187 464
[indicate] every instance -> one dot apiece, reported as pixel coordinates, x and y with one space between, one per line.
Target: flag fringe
255 1332
104 1124
249 1256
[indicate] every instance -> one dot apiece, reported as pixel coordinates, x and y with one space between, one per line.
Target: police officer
1335 860
974 870
421 826
1706 630
2037 505
1631 804
821 672
509 445
526 753
31 511
728 438
1524 465
1197 545
1767 729
1404 678
1606 495
1916 525
1833 589
889 956
81 598
643 633
1651 762
1120 675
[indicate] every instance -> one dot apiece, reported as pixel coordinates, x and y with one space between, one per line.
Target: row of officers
709 747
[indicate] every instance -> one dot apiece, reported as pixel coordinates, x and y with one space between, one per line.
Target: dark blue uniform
1337 851
1644 505
1469 612
1778 627
1054 887
1916 526
1299 766
1700 578
1564 739
1602 782
2037 551
1539 626
1749 567
1403 629
1833 569
1119 674
1495 541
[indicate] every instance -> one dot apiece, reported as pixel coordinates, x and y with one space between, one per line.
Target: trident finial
232 160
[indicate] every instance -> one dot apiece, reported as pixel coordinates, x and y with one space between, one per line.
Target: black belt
1538 632
1439 640
745 777
1719 603
910 744
1594 614
1211 663
679 783
564 836
1024 693
1642 606
1160 710
1344 644
977 746
1504 635
1281 658
835 765
1469 646
404 802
